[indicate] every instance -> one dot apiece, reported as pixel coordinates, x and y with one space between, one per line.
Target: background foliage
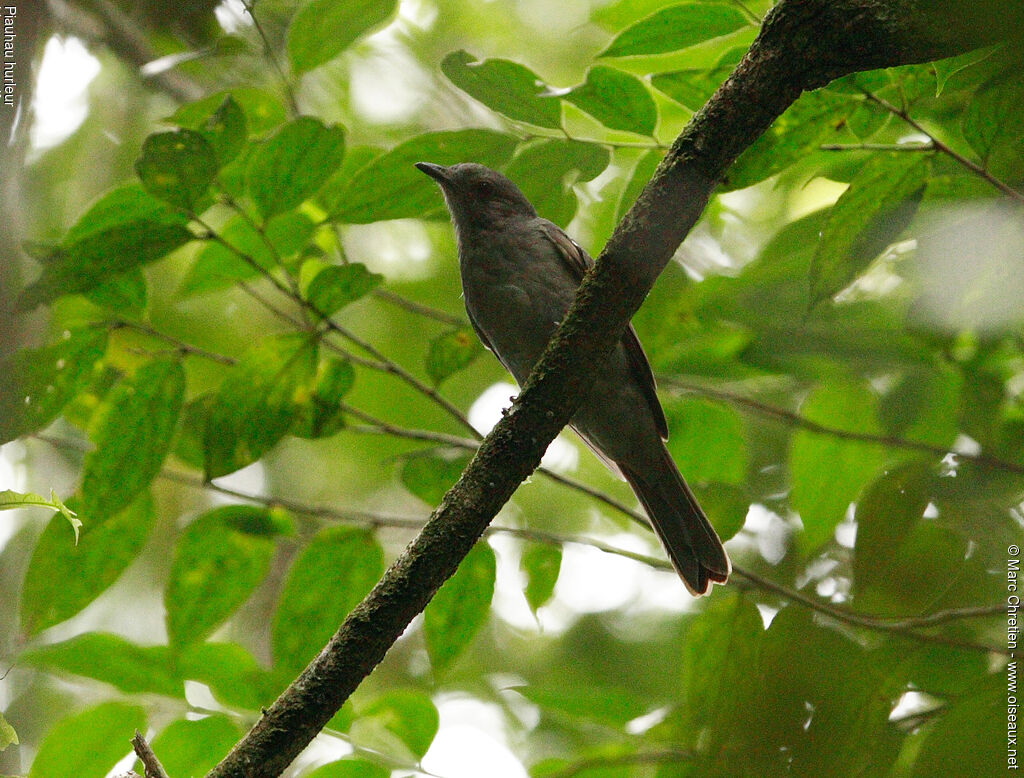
241 361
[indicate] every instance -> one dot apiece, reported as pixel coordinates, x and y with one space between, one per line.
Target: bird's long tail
690 540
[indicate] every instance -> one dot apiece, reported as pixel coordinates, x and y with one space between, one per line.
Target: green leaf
451 352
707 441
350 767
430 476
991 124
719 653
132 668
592 702
548 170
505 87
120 206
693 87
231 672
36 384
177 167
618 100
541 563
405 714
90 743
812 120
336 286
188 747
132 430
127 293
293 163
643 171
225 130
676 27
321 415
322 29
263 111
219 561
336 570
828 471
970 735
924 405
882 199
217 266
460 607
390 187
8 735
13 500
63 578
99 256
255 405
890 508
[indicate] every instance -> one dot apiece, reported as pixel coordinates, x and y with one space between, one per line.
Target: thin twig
286 85
970 164
928 146
149 759
179 345
795 419
418 308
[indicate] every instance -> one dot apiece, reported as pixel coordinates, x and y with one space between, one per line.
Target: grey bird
519 276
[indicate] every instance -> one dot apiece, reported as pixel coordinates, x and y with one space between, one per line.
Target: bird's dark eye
486 188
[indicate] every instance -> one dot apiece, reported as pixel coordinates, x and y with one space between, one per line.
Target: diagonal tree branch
803 45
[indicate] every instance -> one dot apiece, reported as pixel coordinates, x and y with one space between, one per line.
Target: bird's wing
578 262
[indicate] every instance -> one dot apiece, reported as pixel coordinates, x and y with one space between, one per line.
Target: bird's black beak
439 173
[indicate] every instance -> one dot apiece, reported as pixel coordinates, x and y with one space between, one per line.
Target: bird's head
478 197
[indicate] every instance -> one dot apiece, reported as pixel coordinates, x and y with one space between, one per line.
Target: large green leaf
390 187
255 405
546 172
541 563
350 767
332 575
881 201
828 471
90 743
451 352
219 561
112 659
36 384
231 672
293 163
336 286
63 578
132 431
100 255
405 714
506 87
971 737
430 476
676 27
177 167
991 124
263 111
322 29
707 441
616 99
460 607
194 747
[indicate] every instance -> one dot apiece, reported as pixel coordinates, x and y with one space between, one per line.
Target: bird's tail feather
690 540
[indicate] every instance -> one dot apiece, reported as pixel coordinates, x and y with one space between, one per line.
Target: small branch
418 308
179 345
941 147
907 627
929 146
268 50
149 760
795 419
